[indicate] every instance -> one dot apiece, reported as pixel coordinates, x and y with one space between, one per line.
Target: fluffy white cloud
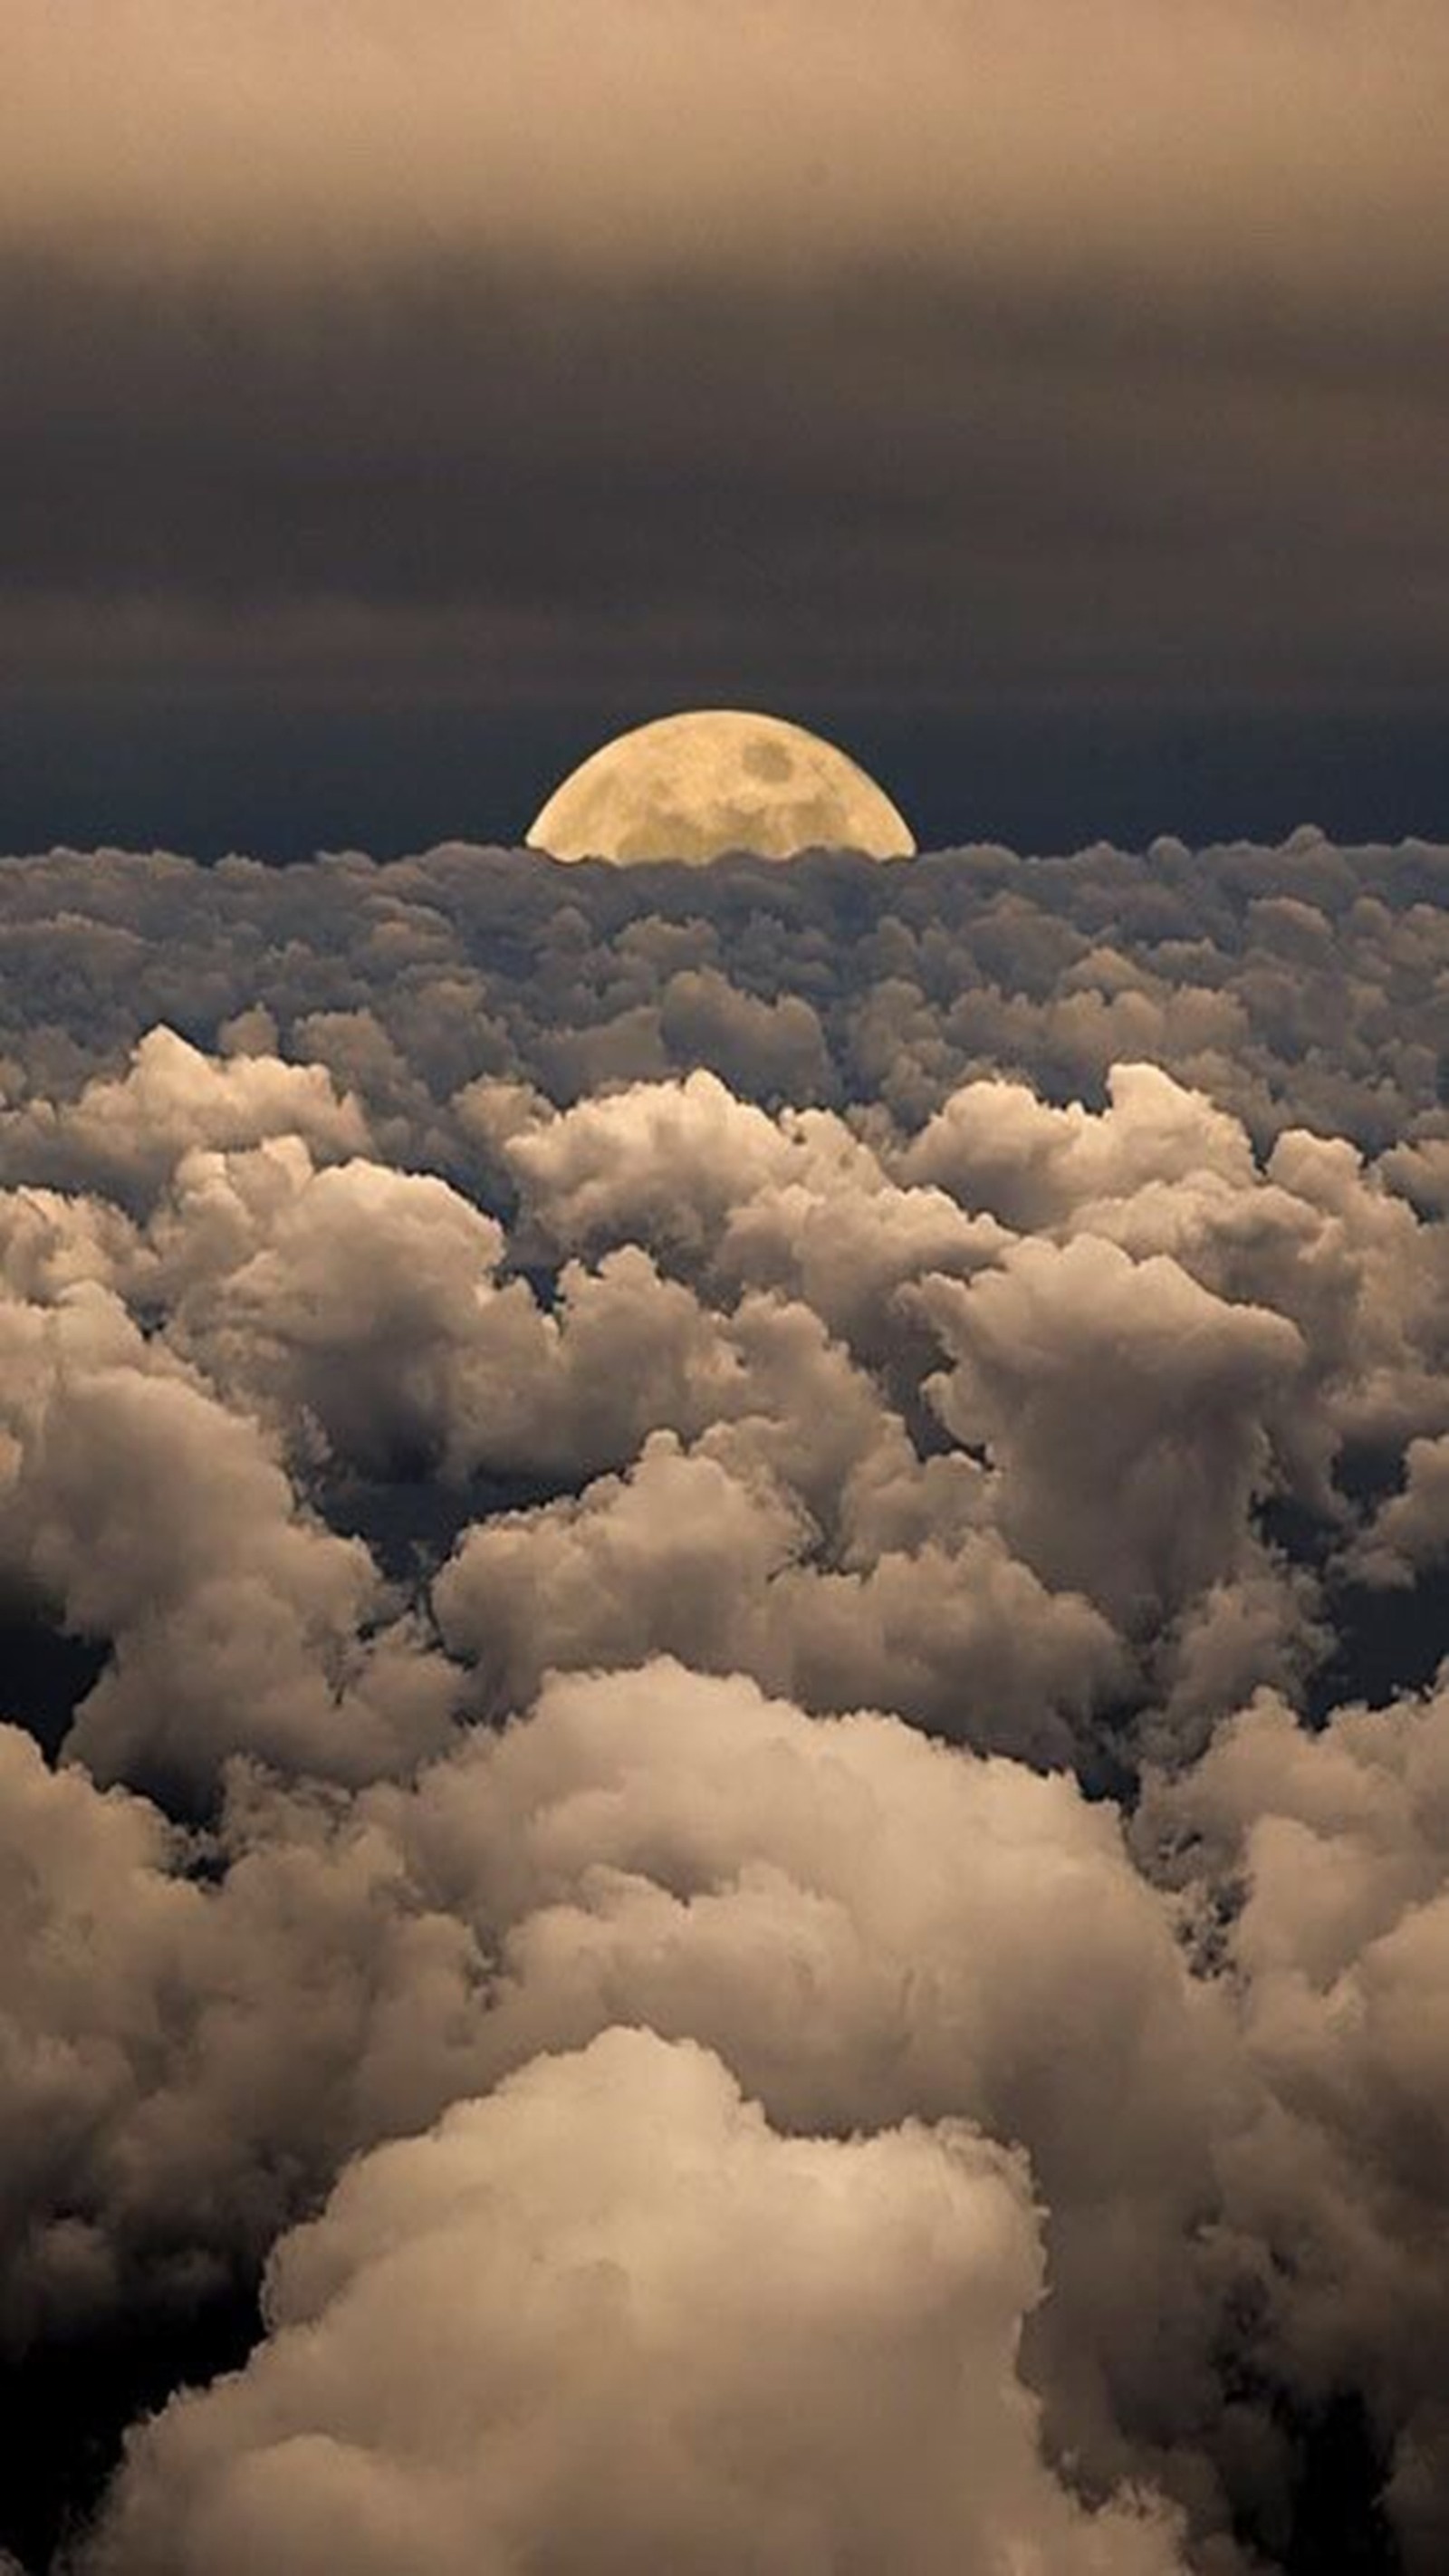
665 1161
1124 1410
1013 1303
701 1554
1412 1529
364 1305
609 2317
127 1132
1320 1861
995 1146
868 1927
142 1511
186 2058
835 1910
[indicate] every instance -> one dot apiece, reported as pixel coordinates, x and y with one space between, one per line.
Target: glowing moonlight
692 786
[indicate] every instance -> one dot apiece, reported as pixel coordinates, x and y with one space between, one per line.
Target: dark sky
1049 402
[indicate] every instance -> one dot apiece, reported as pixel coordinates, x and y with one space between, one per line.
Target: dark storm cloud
909 481
560 361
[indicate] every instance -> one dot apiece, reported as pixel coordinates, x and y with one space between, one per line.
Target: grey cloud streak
992 489
1084 363
783 136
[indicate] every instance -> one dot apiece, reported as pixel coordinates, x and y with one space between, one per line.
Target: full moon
693 786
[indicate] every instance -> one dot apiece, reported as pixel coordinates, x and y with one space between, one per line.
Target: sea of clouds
723 1836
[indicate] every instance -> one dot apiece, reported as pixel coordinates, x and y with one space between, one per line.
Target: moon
693 786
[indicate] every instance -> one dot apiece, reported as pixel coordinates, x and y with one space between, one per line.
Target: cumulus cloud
127 1134
137 1509
668 2333
689 1852
996 1146
189 2059
1324 1855
732 1583
1412 1529
698 1554
362 1306
1138 1493
194 2038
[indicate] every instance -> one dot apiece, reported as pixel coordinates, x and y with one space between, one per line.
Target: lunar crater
695 786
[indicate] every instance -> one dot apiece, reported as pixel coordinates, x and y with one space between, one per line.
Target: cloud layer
271 137
724 1596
